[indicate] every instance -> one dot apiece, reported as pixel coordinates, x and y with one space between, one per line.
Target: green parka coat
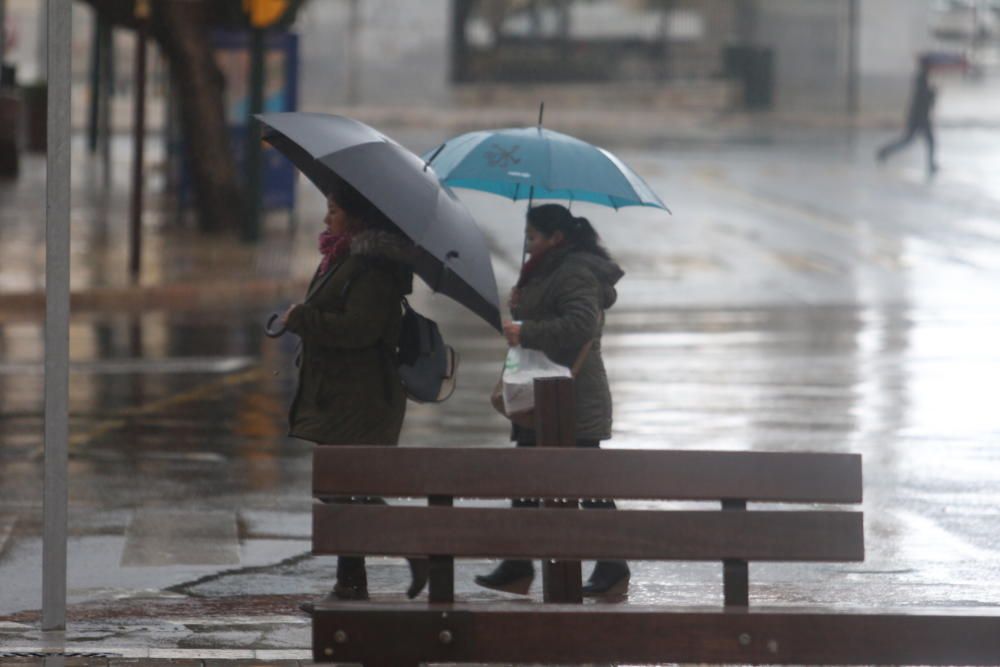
561 306
349 392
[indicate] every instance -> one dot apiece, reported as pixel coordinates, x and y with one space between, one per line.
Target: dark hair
551 218
357 206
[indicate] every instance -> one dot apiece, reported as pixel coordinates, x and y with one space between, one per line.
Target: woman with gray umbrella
349 391
389 217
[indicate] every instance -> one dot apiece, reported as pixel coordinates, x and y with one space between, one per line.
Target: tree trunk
182 32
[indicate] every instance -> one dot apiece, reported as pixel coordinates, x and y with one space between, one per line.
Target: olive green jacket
561 307
349 391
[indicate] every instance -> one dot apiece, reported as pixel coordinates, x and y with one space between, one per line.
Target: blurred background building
848 62
793 54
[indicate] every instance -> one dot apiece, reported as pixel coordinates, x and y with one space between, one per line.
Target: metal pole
59 20
3 31
107 99
251 229
852 57
42 38
95 84
139 144
353 38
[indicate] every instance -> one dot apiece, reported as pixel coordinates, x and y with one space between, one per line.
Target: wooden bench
564 632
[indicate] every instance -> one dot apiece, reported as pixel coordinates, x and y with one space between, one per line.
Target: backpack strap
581 357
584 351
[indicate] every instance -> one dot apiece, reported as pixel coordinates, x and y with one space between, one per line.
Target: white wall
892 33
402 52
809 38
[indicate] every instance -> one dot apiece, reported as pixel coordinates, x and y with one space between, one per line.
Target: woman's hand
284 316
512 332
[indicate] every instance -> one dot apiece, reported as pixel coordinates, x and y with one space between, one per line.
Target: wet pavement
800 298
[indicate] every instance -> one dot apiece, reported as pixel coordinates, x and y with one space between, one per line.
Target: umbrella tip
541 112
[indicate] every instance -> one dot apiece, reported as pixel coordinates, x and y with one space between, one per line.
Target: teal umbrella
535 163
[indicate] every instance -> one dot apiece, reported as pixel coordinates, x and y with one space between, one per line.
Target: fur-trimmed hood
380 244
393 252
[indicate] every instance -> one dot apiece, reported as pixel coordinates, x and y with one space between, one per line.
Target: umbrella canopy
535 163
454 256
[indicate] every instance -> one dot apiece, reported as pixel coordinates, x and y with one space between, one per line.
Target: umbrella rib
548 166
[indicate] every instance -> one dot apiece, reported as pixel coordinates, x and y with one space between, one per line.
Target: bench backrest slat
587 534
576 473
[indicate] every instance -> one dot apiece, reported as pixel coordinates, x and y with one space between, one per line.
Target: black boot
610 577
510 576
352 579
420 569
352 583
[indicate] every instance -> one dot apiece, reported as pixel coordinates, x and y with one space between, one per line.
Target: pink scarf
332 247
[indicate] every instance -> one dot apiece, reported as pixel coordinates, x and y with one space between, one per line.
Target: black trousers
588 503
911 132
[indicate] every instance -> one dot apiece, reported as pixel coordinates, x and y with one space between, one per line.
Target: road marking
206 390
834 222
169 537
207 365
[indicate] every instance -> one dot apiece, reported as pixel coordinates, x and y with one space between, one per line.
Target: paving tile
202 654
253 663
154 662
284 654
168 537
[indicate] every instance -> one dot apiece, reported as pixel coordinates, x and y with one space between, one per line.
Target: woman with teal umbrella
558 307
564 288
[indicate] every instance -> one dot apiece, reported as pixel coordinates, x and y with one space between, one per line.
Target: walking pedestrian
349 391
918 118
558 307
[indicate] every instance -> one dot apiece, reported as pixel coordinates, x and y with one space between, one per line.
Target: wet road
799 299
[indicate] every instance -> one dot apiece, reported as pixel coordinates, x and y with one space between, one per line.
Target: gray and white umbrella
454 257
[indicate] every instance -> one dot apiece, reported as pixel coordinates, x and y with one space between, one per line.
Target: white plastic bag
520 369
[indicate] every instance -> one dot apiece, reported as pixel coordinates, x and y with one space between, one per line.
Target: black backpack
426 366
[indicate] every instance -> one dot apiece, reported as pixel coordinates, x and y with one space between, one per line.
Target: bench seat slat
574 634
574 473
587 534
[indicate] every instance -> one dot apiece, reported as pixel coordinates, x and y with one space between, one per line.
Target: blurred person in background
918 119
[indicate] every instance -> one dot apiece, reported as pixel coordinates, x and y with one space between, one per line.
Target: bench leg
735 573
736 583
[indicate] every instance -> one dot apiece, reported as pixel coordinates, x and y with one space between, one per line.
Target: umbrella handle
273 333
